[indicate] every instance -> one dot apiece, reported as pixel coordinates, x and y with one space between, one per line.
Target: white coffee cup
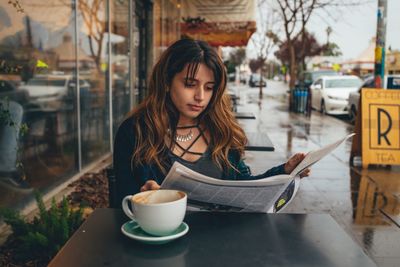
158 212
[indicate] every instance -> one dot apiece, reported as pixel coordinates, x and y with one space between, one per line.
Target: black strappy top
204 164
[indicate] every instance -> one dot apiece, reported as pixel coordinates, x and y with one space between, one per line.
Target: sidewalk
357 199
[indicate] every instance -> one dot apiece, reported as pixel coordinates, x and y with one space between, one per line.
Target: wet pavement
364 202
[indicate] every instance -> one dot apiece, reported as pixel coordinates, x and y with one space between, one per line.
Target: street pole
380 44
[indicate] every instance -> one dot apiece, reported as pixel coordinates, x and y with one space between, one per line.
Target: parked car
308 77
243 78
391 82
329 94
52 92
256 79
10 91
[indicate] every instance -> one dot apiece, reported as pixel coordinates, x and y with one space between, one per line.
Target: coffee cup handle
126 208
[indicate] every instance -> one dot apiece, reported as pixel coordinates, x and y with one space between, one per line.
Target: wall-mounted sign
380 126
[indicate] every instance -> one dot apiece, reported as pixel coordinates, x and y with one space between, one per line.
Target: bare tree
237 56
264 40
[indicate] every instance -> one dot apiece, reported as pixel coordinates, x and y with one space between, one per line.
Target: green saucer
132 230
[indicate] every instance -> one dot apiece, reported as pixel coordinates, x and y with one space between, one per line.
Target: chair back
112 190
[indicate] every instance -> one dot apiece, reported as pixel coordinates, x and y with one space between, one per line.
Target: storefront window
166 24
93 73
38 85
60 62
120 54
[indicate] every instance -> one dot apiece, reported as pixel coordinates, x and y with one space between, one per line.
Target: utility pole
380 44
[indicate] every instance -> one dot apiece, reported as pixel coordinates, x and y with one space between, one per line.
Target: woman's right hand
150 185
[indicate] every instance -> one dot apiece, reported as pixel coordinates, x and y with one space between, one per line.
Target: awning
219 22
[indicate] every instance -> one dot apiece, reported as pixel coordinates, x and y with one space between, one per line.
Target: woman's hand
293 162
150 185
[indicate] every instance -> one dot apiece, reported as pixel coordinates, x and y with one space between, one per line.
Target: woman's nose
199 93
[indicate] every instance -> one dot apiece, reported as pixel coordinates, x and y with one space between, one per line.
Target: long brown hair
157 113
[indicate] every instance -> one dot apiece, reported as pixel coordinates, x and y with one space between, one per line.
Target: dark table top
258 142
217 239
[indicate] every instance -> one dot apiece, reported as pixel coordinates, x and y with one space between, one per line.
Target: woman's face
192 98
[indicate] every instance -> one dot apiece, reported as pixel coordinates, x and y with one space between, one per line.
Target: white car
52 92
329 94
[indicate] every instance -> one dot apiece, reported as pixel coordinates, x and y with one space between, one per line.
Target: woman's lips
195 107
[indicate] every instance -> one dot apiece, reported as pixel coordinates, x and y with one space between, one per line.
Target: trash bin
300 100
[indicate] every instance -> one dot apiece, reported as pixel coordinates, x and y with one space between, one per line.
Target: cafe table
245 115
217 239
258 141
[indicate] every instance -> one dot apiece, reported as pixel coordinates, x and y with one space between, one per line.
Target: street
364 202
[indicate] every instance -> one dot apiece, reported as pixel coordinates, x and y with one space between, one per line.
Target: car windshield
312 76
46 82
256 77
338 83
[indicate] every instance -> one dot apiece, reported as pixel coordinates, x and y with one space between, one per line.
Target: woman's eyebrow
190 79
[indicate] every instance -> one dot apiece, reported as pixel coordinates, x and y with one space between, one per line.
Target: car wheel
353 115
323 108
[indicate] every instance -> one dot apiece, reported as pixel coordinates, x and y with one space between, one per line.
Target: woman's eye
190 85
210 88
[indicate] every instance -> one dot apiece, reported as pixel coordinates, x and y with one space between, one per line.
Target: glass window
121 94
316 75
343 83
93 74
46 82
318 82
37 54
5 87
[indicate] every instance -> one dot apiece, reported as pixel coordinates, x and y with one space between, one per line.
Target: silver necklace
184 137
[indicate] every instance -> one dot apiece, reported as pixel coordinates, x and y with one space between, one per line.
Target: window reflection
119 39
37 82
93 72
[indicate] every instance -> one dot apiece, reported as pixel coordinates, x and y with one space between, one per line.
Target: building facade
70 70
393 62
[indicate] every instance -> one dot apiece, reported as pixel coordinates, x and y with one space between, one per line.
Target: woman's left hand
293 162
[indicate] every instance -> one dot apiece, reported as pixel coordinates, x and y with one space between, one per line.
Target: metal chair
112 190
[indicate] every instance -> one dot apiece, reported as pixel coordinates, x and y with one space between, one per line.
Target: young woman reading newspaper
186 117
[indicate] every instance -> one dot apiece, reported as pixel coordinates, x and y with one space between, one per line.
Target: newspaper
269 195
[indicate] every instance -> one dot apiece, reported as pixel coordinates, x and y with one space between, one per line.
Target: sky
353 27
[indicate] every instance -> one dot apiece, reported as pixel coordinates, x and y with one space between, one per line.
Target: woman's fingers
150 185
305 173
293 162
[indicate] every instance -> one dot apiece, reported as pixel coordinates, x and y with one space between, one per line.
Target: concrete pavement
365 203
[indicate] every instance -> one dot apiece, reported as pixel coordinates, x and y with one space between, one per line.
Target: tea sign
380 126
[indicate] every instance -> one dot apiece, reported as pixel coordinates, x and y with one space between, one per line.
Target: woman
186 118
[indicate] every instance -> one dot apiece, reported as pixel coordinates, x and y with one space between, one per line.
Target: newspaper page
271 194
206 193
314 156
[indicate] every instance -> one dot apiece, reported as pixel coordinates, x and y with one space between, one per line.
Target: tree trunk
292 72
260 95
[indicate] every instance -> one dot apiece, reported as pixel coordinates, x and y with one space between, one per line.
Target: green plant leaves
46 233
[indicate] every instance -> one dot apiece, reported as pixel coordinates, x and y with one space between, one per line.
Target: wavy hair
157 113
